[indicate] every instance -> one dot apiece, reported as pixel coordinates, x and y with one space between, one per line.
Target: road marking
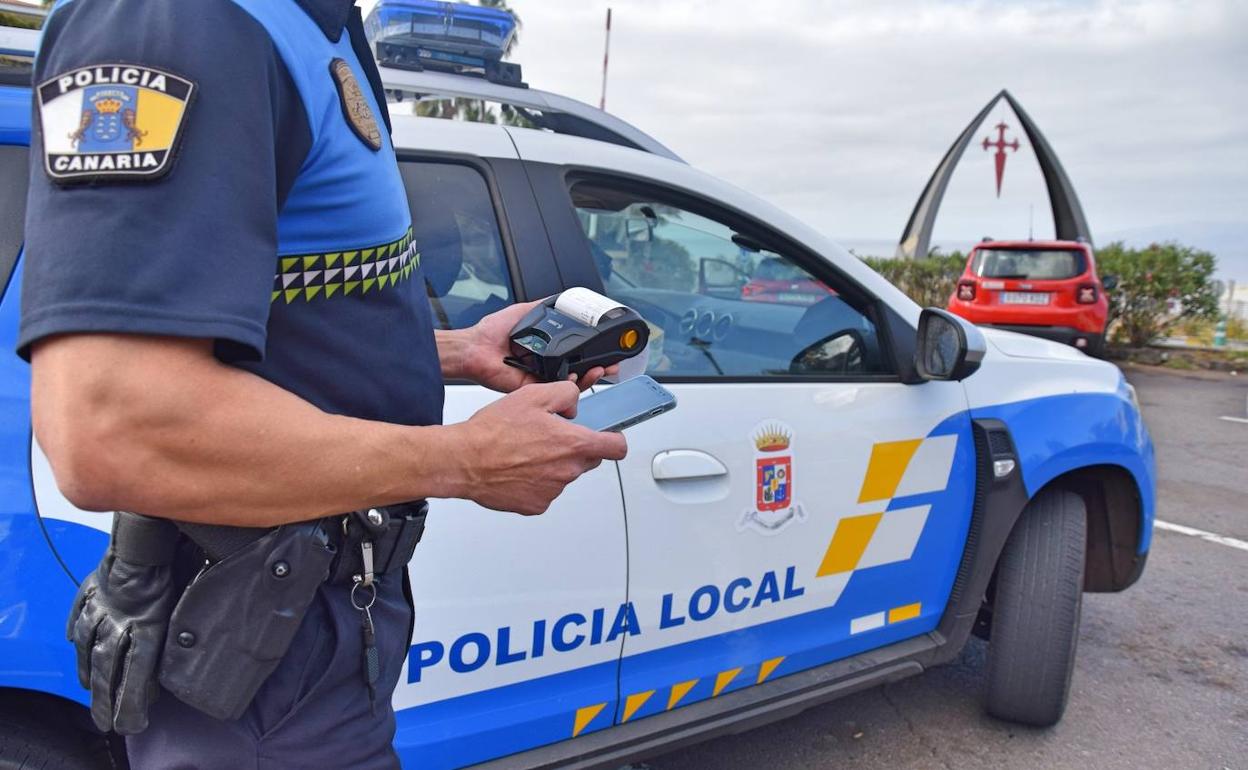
1237 419
1203 535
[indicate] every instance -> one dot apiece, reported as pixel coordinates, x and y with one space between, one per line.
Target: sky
839 111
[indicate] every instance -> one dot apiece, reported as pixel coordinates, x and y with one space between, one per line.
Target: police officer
227 325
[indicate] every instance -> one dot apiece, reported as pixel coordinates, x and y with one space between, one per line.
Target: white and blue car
848 490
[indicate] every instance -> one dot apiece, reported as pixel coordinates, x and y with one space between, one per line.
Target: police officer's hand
118 626
521 453
489 341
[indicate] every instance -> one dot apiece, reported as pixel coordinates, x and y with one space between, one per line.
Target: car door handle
674 464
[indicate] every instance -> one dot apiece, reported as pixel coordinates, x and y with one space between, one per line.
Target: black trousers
313 711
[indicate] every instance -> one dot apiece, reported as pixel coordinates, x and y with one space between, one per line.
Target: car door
801 504
509 639
509 635
35 591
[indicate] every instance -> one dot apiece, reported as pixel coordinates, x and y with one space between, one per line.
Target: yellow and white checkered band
876 535
342 273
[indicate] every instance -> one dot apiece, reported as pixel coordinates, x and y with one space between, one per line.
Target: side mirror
1109 282
717 278
638 230
949 348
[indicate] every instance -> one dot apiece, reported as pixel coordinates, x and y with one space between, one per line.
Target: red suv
777 281
1046 288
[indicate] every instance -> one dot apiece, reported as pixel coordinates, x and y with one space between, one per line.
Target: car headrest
437 237
827 316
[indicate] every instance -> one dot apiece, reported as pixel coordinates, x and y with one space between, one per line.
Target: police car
849 489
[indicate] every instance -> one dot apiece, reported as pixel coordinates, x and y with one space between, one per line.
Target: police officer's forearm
159 426
454 352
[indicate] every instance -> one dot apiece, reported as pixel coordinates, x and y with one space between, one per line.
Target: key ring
372 597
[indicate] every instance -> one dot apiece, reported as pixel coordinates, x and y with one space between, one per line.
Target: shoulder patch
111 121
354 105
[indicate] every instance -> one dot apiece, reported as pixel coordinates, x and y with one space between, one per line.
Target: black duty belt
376 541
391 532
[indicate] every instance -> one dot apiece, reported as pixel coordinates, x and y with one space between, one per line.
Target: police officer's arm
149 271
160 426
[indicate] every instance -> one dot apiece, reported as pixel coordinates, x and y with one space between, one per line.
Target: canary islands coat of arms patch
111 121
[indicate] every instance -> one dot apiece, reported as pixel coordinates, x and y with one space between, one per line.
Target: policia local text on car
227 323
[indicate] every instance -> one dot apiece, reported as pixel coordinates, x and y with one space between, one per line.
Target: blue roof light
452 37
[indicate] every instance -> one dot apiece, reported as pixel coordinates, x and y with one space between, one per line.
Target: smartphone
621 406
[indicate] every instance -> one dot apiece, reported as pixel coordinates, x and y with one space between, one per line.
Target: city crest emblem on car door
774 504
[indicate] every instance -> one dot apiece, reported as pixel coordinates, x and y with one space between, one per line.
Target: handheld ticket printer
572 332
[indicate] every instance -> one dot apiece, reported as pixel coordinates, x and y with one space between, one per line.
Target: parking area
1162 677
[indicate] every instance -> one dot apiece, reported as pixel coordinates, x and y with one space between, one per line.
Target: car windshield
1034 264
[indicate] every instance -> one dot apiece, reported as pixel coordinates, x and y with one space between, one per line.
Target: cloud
839 111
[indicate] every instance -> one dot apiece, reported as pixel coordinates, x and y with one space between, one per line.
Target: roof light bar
450 37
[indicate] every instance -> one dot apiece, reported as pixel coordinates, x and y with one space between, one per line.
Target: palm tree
502 6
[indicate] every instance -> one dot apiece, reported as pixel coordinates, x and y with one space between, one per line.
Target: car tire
1035 612
28 747
1096 346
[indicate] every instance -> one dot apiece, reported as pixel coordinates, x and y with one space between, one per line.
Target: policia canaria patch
111 121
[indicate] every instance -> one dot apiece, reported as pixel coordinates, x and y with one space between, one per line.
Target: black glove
119 620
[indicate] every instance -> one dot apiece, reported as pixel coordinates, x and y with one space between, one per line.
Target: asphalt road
1162 673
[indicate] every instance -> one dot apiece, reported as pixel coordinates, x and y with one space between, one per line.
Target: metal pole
606 54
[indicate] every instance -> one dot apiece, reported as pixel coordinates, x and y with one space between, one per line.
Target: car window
16 65
14 177
1028 264
15 68
461 251
719 303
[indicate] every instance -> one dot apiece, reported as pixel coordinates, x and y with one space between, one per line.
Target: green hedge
1158 286
929 282
20 20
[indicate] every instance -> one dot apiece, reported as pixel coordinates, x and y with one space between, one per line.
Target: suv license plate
1024 298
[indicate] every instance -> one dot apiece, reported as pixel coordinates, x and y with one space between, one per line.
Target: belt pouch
236 620
404 536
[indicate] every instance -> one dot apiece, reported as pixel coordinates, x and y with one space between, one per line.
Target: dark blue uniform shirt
223 169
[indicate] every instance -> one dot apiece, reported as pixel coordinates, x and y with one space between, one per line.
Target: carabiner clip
366 556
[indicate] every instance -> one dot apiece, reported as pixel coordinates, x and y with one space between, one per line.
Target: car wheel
24 747
1035 612
1096 346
